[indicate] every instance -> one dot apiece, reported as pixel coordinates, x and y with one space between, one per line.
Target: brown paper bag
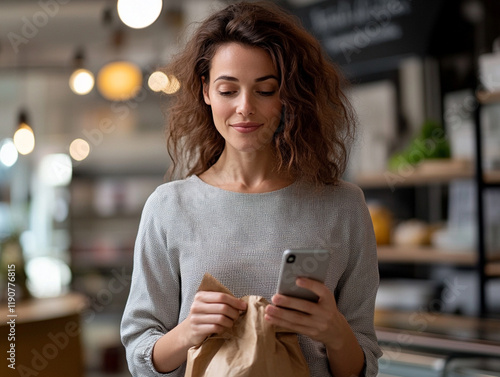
252 347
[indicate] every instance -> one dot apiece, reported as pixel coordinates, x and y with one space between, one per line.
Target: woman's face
243 95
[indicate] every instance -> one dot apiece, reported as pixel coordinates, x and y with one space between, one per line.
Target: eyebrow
230 78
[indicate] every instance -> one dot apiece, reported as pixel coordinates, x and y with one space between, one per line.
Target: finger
304 329
315 286
290 319
294 303
203 308
297 322
217 320
219 297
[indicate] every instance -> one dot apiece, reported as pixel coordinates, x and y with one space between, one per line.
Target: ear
205 90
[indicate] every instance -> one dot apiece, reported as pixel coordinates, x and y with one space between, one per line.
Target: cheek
274 112
221 108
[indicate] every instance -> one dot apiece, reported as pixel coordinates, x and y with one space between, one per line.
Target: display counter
42 337
427 344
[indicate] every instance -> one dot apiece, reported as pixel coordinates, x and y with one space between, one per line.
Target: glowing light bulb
81 81
79 149
139 14
24 139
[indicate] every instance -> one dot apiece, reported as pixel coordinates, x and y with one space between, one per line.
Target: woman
263 127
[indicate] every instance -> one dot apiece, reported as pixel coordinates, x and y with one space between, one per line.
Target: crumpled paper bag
252 347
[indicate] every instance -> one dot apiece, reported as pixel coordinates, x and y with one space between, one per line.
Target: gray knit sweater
189 227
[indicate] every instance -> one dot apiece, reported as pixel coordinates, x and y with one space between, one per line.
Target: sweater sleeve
358 285
153 304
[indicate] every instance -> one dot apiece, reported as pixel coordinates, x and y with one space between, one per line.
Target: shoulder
177 186
172 192
342 191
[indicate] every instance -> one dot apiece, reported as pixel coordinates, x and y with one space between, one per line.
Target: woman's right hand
212 313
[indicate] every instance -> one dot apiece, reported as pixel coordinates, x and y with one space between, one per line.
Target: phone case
310 263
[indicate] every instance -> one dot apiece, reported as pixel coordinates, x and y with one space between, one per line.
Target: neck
246 172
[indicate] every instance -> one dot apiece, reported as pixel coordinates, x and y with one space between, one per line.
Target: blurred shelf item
487 97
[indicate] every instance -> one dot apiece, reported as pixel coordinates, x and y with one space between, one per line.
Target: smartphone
309 263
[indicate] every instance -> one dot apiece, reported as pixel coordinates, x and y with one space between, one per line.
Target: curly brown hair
318 121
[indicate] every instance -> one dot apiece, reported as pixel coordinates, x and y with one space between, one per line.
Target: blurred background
82 147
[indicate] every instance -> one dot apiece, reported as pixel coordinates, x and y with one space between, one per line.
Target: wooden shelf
492 177
435 330
487 98
427 172
430 255
492 269
423 175
425 254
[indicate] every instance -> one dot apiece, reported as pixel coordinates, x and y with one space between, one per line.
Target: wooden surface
424 254
46 337
487 97
439 331
437 171
47 308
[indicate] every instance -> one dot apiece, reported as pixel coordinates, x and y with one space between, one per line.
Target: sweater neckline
280 190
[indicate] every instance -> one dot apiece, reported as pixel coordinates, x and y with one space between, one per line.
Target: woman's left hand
320 321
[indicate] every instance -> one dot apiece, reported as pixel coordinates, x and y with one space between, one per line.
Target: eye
266 93
226 93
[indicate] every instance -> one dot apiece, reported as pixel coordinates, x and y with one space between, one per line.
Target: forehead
241 61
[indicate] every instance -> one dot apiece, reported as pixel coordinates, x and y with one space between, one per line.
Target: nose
245 105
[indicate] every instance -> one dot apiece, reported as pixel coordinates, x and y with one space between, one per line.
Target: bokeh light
139 14
24 139
8 153
79 149
81 81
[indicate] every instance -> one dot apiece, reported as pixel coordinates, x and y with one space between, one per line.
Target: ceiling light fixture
139 14
24 138
81 80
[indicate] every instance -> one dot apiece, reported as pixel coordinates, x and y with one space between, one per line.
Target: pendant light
24 138
139 14
81 80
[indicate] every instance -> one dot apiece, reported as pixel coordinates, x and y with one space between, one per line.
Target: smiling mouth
246 127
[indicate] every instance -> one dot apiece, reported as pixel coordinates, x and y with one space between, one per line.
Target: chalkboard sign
366 35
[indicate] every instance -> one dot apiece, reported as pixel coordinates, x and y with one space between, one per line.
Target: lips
246 127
